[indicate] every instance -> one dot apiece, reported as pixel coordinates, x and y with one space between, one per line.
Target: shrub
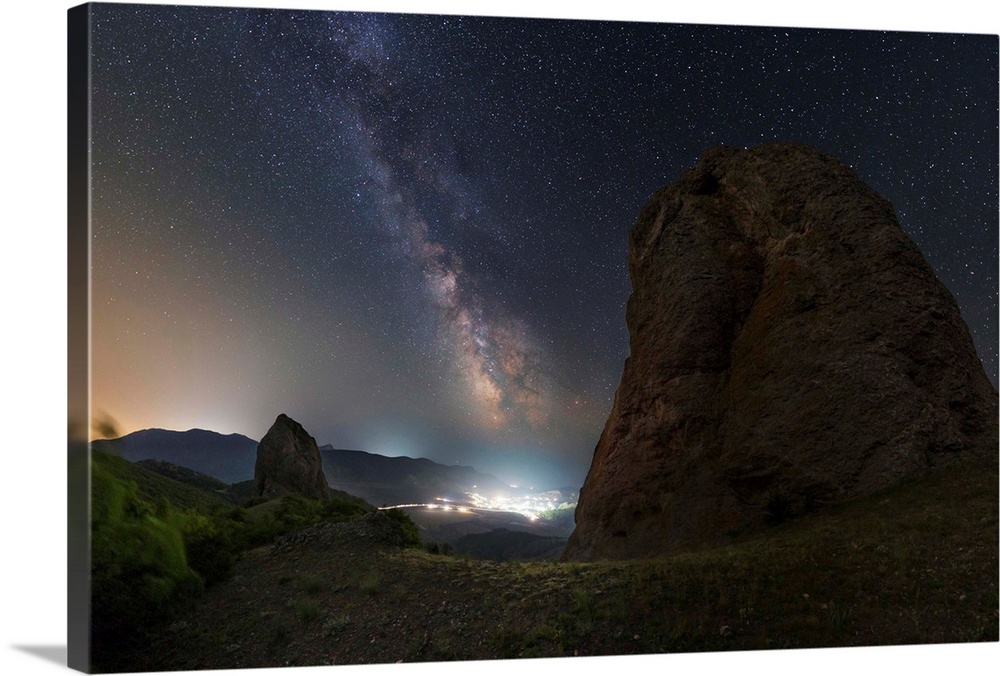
312 585
411 534
296 512
306 609
140 572
335 624
209 546
370 583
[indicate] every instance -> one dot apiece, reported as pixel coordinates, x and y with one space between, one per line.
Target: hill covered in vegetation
913 564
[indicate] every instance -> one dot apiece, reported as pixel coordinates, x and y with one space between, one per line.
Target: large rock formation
790 346
288 461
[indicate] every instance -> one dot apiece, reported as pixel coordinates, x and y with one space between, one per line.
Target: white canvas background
33 328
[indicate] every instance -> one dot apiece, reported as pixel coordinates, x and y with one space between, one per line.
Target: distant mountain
227 457
379 479
402 480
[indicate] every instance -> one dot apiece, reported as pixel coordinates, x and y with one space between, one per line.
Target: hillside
227 457
398 480
183 474
914 564
153 486
230 458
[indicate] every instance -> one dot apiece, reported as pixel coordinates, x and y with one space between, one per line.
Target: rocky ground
914 565
348 593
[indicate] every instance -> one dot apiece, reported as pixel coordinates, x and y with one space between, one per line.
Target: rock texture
790 346
288 461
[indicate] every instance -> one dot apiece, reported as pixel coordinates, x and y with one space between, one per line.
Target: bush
312 585
296 512
150 559
209 546
306 610
411 534
249 529
139 569
369 584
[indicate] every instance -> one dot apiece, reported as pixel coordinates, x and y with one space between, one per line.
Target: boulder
790 347
288 461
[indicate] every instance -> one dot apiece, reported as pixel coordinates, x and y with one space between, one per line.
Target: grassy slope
154 486
917 564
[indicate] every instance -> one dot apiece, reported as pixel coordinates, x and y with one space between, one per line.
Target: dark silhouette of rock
790 346
288 461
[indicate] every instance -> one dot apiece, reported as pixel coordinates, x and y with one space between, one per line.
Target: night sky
409 232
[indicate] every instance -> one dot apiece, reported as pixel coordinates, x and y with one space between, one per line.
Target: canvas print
431 338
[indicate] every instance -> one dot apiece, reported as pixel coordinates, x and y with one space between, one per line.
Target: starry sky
409 232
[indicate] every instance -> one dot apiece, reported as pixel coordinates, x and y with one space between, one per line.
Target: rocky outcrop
790 346
288 461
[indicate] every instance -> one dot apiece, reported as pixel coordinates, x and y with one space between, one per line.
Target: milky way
410 232
498 367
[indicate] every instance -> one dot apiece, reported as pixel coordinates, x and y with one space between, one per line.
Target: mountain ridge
231 458
227 457
384 479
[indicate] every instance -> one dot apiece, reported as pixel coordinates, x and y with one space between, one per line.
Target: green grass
158 543
912 565
306 609
312 585
915 564
335 625
154 487
370 583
